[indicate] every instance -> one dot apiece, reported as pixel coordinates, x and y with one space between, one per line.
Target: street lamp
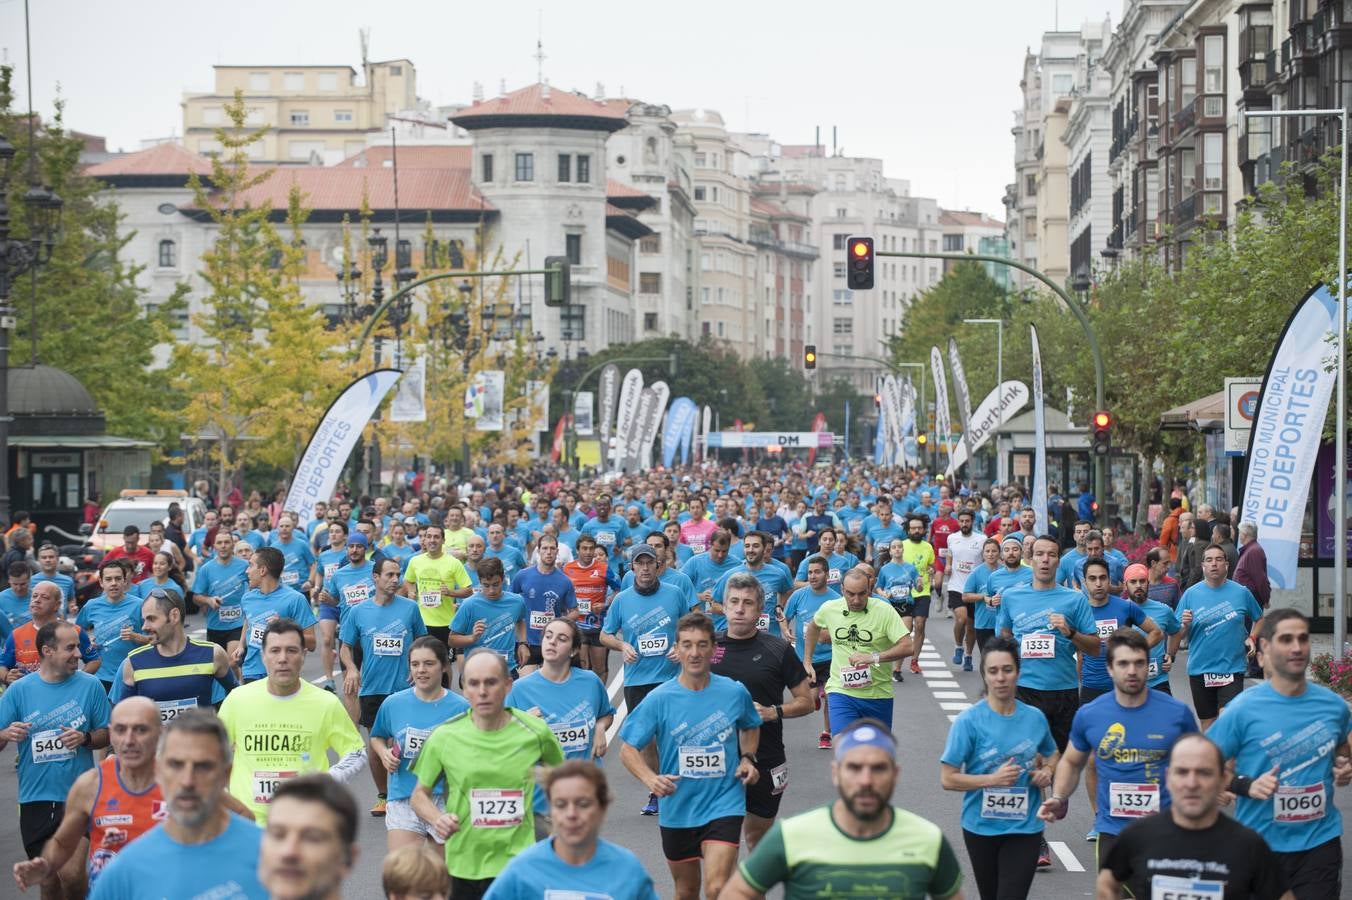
19 256
1340 410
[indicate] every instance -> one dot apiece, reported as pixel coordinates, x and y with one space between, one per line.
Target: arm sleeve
958 746
304 616
768 864
1136 615
1079 739
381 726
1084 618
1002 619
101 711
638 728
348 632
460 619
947 875
120 689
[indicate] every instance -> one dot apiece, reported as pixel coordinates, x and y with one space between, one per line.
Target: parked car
140 508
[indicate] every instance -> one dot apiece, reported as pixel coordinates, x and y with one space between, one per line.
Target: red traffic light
1103 419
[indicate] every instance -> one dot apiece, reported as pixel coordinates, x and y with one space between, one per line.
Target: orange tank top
119 816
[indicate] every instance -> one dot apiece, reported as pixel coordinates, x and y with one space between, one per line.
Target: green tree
84 306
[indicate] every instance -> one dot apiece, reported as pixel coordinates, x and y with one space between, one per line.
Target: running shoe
896 676
1044 856
1092 836
651 808
379 809
957 656
328 686
915 667
824 741
967 662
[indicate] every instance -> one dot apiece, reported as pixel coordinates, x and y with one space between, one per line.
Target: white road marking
1067 858
950 695
616 687
955 707
942 685
931 672
952 717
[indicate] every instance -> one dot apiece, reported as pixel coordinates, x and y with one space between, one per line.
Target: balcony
1185 118
767 239
1115 237
1185 213
1254 75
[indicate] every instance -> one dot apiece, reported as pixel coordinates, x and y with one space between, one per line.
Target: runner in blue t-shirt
48 562
1110 613
880 534
707 569
609 531
219 588
492 618
1215 614
548 594
1289 741
112 620
572 700
707 730
403 723
803 605
498 547
838 563
1127 733
298 571
774 578
999 754
1137 579
268 599
988 593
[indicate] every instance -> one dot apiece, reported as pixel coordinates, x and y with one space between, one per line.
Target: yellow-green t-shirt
433 580
278 738
920 555
490 786
872 630
457 540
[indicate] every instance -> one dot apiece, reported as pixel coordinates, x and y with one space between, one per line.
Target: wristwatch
752 757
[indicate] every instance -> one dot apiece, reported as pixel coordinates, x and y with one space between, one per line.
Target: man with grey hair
1251 571
766 666
200 848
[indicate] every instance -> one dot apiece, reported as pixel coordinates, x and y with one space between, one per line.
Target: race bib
172 709
1168 887
1106 627
702 762
538 620
763 622
652 645
779 778
1133 801
414 738
265 784
856 526
355 593
290 578
256 634
1008 803
1153 670
855 676
230 613
964 567
387 645
491 808
1293 804
329 569
47 747
605 537
584 605
1218 679
430 598
900 593
833 576
572 735
1037 646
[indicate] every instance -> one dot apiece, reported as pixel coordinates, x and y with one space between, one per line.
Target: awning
78 442
1204 414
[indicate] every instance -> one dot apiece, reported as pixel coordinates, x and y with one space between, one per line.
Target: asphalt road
925 705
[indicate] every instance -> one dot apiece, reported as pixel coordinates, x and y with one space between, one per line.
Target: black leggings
1003 865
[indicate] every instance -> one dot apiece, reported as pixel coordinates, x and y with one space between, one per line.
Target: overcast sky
928 87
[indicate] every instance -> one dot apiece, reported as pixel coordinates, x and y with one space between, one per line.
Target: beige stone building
314 114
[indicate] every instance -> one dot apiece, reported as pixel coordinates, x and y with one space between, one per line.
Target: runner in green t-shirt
920 553
865 633
436 580
860 845
488 758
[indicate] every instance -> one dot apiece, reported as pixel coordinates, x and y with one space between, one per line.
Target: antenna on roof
600 91
364 34
540 47
502 87
478 93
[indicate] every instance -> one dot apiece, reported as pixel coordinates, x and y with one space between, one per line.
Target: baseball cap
410 520
1136 570
357 537
642 550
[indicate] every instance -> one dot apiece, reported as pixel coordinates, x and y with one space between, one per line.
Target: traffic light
922 439
1102 441
810 356
860 264
558 283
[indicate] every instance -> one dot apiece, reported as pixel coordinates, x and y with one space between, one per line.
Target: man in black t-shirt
1191 850
766 666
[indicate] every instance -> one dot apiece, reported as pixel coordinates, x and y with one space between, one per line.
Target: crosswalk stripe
1064 854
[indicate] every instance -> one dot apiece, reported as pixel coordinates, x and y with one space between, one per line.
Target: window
700 194
842 297
525 167
486 167
303 150
952 243
650 321
1062 84
209 147
650 244
1213 156
328 81
293 81
713 194
1213 63
705 264
572 244
842 326
212 115
573 322
565 168
300 118
583 169
838 270
168 254
650 282
842 212
1030 185
704 297
1187 172
839 182
1187 81
396 70
838 241
720 329
700 161
342 115
259 81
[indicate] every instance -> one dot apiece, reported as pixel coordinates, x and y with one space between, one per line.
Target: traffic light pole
1076 310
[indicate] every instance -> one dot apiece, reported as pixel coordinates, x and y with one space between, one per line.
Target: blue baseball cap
357 537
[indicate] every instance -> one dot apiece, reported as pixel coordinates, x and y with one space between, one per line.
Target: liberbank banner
317 473
1287 425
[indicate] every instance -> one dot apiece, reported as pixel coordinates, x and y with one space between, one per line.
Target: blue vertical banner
676 434
1284 441
1039 441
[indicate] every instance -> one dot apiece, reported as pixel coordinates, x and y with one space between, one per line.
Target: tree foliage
85 307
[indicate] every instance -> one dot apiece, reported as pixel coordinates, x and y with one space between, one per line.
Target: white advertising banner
999 405
942 424
628 414
582 413
1039 441
410 403
489 388
964 398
